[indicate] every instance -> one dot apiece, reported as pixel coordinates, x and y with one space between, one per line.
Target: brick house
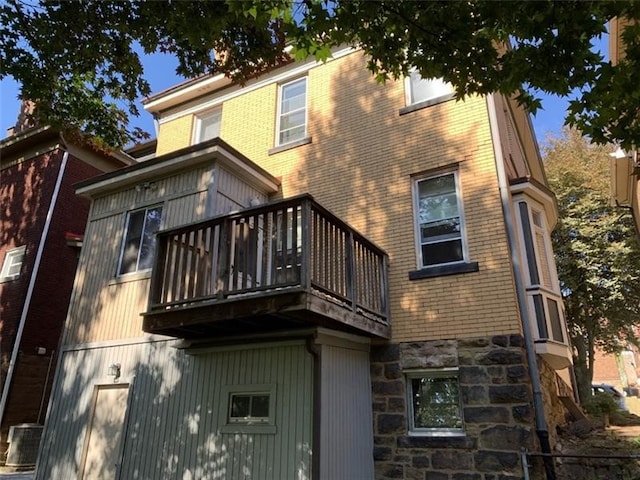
316 277
42 221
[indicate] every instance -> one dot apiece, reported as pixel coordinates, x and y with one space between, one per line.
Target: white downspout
541 423
32 282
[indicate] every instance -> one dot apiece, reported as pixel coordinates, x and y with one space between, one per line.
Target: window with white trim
12 263
439 222
248 408
292 112
433 399
207 125
139 244
543 288
420 89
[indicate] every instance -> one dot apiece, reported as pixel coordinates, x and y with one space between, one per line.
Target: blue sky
160 71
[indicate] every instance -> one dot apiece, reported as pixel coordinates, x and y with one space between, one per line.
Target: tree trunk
582 370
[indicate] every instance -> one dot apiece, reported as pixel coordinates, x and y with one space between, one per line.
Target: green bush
600 404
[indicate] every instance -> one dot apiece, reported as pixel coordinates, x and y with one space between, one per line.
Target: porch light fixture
114 371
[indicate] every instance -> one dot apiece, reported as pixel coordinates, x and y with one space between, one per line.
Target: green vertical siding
177 410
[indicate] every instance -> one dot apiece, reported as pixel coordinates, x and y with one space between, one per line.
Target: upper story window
421 90
139 243
207 125
433 398
439 221
292 112
543 289
12 263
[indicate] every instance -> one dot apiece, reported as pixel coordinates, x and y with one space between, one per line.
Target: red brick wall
26 194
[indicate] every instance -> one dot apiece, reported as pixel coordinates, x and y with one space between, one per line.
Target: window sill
287 146
426 103
437 434
131 277
9 279
443 270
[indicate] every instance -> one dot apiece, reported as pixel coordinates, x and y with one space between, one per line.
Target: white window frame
416 222
436 431
12 258
414 76
281 90
266 425
125 235
199 118
550 291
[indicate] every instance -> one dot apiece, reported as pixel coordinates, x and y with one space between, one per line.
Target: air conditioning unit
23 440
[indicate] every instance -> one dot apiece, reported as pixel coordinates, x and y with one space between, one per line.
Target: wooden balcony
284 265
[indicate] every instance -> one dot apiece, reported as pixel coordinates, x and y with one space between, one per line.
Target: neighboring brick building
41 221
404 322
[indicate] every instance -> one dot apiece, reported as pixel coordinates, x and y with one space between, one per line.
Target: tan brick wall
175 135
359 165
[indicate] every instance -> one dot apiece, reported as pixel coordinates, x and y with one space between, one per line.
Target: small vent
23 442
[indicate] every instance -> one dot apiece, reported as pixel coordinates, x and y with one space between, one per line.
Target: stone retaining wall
496 406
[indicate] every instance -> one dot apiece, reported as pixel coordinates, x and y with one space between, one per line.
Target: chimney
24 122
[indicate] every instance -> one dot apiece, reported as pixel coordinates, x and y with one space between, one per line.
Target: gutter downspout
541 424
32 282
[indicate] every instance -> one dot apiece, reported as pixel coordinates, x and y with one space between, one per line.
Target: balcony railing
267 250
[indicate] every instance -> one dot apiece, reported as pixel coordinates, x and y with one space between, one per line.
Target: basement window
249 409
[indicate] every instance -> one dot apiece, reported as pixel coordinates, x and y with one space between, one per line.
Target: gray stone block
451 460
501 356
395 387
392 371
517 374
491 461
388 423
381 453
503 437
420 461
396 404
473 375
385 353
486 415
509 393
474 395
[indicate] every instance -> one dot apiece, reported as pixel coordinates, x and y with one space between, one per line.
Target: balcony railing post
305 268
384 288
159 263
224 248
351 270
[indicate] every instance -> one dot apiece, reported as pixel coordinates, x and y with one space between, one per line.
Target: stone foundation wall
552 387
496 406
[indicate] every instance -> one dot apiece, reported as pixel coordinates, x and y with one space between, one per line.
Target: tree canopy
597 254
79 61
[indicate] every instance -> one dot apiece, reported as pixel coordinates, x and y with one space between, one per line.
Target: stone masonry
496 405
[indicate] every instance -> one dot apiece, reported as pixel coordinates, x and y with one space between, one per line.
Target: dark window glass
554 320
436 402
140 241
240 406
444 252
540 317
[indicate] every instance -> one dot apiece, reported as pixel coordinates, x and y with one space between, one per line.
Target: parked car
617 395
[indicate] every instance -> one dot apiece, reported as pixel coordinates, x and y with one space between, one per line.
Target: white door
102 449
